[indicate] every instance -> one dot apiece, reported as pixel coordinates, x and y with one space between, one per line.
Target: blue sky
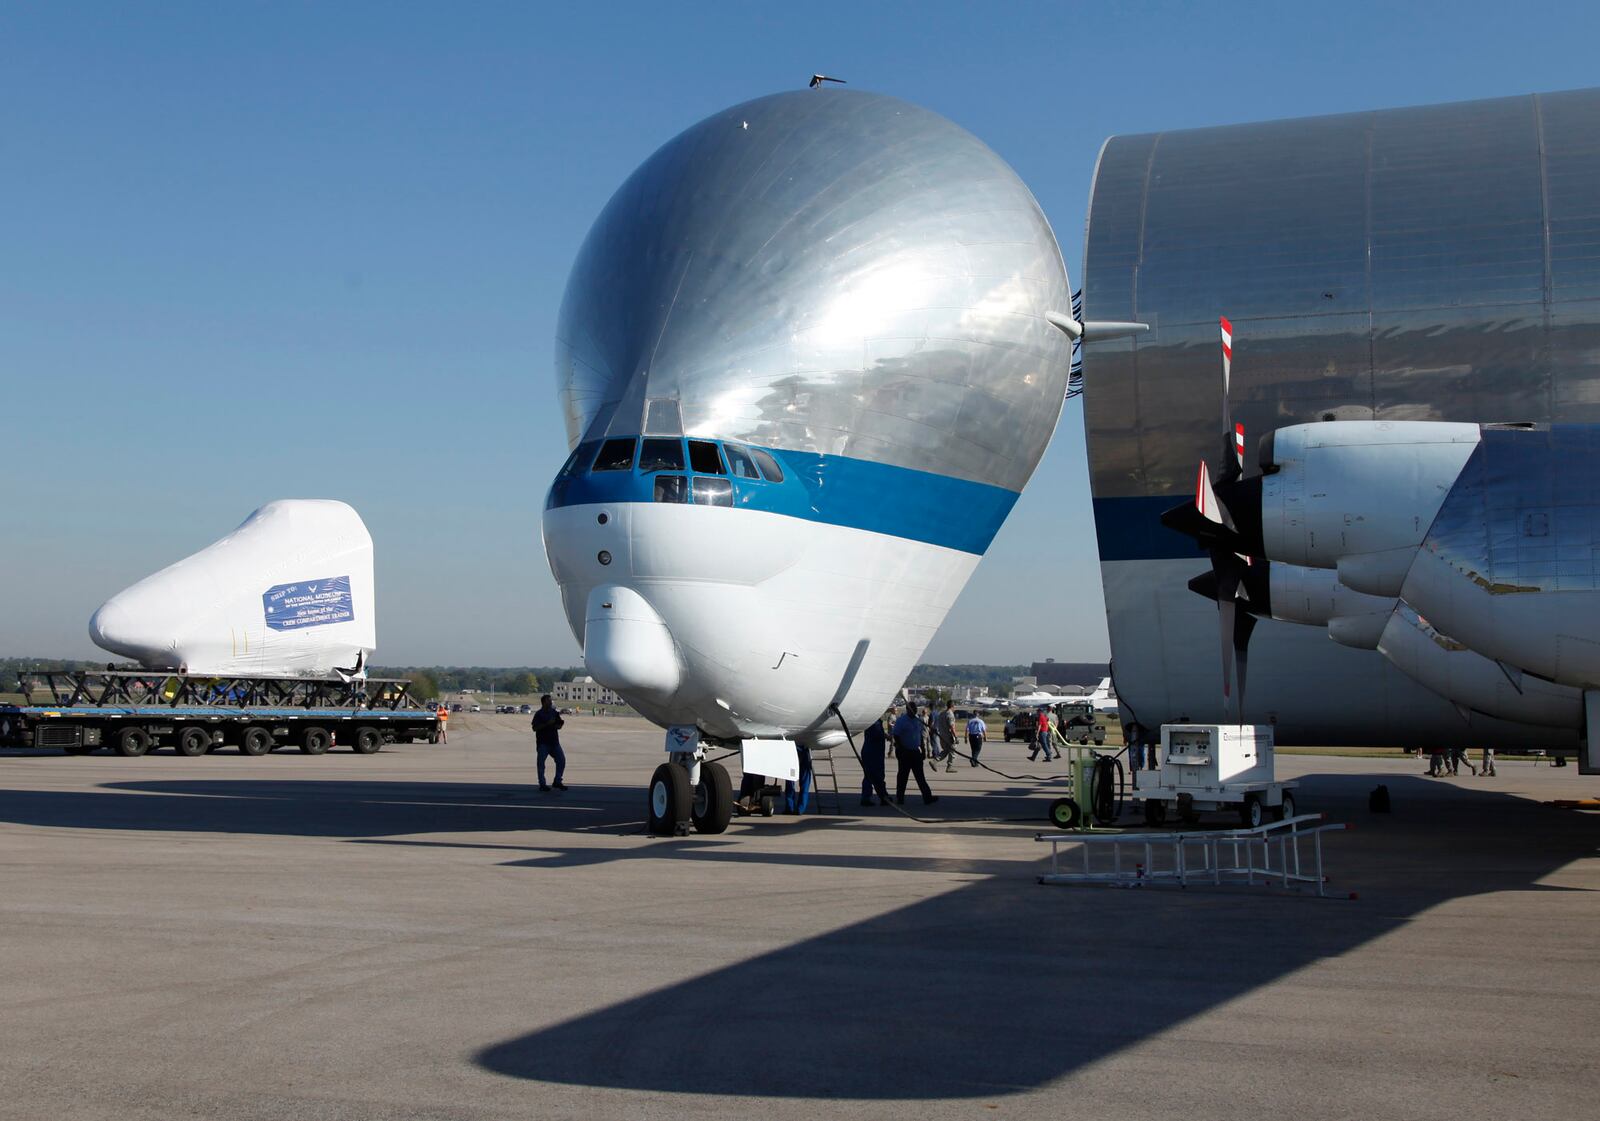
261 251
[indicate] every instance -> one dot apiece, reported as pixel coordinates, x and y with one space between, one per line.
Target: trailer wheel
256 740
1286 810
1155 811
713 799
670 799
133 742
315 741
1065 813
193 740
1251 812
368 740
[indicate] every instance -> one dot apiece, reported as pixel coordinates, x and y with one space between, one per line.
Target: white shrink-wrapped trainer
288 593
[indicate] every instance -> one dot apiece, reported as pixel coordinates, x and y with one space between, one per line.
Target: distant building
1085 675
584 691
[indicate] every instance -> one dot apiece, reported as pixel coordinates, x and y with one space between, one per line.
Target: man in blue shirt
907 732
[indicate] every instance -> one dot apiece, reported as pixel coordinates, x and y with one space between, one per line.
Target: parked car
456 707
524 709
476 708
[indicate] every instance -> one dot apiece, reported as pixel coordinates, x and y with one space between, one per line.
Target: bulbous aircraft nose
627 646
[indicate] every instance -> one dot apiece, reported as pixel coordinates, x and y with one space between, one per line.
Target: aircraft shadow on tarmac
1001 986
998 986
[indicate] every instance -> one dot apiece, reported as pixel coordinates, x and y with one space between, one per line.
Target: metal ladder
822 768
1267 856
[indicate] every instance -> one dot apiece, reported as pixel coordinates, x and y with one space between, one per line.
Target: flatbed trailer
134 712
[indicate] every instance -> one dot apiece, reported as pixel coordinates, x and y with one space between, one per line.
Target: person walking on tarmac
547 723
444 718
944 727
977 732
874 741
1042 732
907 734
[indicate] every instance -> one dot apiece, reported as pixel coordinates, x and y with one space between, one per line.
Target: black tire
1252 813
770 805
713 799
193 741
670 799
1287 810
315 741
255 740
133 742
368 740
1065 813
1155 811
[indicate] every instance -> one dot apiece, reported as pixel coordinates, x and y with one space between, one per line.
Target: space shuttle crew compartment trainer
288 593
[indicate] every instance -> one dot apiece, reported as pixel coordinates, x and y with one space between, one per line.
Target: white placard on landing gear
776 759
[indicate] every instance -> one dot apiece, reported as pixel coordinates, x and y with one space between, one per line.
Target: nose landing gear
687 791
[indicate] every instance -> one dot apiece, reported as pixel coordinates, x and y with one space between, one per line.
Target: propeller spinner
1237 580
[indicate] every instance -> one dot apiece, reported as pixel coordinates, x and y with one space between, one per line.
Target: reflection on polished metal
1434 263
834 271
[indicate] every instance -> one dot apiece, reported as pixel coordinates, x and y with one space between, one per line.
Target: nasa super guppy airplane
809 354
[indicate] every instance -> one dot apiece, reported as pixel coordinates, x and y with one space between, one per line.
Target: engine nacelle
1341 489
1474 682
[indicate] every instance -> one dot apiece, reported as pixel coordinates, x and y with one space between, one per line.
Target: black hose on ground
1106 789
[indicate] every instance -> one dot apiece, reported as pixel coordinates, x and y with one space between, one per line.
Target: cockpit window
672 488
769 466
615 455
740 463
581 453
661 455
712 492
703 458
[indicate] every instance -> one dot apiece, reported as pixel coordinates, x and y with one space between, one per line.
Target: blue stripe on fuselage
835 490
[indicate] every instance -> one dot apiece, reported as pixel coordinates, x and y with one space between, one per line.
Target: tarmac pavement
421 934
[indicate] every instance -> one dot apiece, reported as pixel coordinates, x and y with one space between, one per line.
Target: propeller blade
1227 614
1244 624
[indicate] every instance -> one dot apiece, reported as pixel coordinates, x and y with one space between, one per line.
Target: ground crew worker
977 732
874 742
1042 733
547 723
907 734
444 718
944 725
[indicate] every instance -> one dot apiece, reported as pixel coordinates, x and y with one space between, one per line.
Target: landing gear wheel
1286 810
1155 811
368 740
256 740
713 799
1065 813
670 799
315 741
771 804
133 742
193 741
1252 813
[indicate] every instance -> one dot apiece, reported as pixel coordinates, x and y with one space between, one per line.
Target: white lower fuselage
770 618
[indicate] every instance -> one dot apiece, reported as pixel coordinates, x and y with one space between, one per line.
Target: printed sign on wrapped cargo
309 603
